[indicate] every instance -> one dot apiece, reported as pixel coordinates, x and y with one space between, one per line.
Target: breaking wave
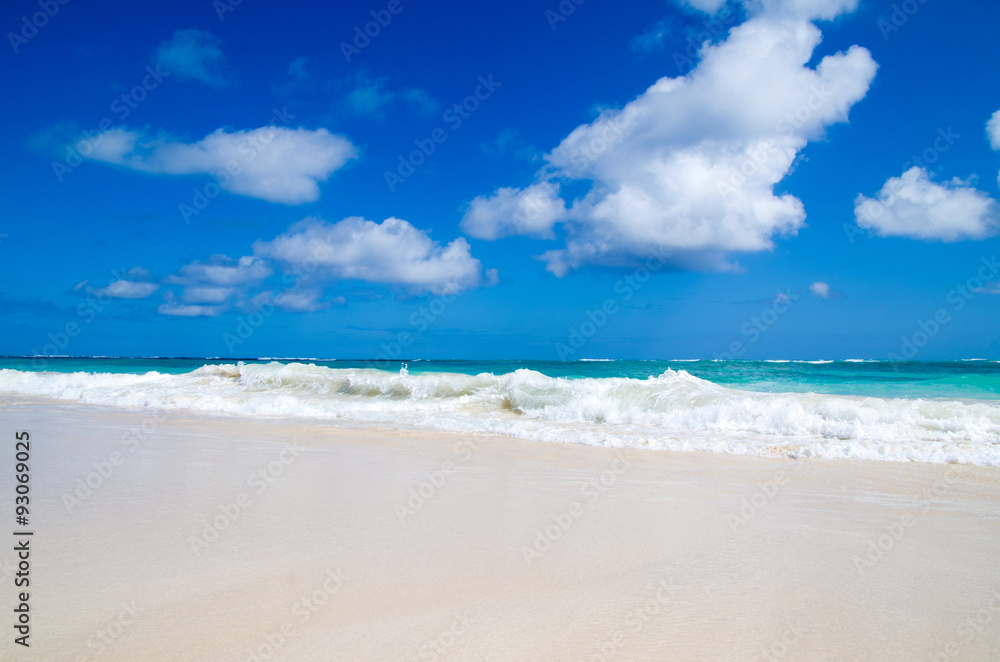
674 410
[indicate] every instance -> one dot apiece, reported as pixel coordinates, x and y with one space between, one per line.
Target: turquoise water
944 411
967 379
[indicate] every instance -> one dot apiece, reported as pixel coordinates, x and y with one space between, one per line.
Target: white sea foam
674 410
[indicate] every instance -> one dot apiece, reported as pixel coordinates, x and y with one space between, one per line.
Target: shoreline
219 540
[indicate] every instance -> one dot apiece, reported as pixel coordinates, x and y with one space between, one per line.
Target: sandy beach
174 536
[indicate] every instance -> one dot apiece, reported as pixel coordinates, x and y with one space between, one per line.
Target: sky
802 179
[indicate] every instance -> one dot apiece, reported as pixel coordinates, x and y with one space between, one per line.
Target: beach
169 535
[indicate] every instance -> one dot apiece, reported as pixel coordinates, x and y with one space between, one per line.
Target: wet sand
172 536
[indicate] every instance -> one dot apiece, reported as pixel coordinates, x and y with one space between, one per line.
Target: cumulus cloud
311 254
272 163
993 130
392 252
532 211
913 206
993 133
688 168
194 54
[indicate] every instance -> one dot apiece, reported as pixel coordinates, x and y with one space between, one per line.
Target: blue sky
563 147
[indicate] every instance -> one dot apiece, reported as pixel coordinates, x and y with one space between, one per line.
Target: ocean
946 411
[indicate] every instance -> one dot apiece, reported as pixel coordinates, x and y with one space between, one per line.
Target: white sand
664 562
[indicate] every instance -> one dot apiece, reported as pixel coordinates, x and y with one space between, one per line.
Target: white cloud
210 286
689 167
272 163
798 9
914 206
222 271
531 211
392 252
807 10
171 307
993 130
187 310
128 289
194 54
214 295
707 6
301 300
820 289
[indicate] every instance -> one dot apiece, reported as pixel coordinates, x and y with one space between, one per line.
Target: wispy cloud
652 39
369 97
129 289
509 141
195 55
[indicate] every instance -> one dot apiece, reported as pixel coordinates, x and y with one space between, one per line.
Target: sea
924 411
